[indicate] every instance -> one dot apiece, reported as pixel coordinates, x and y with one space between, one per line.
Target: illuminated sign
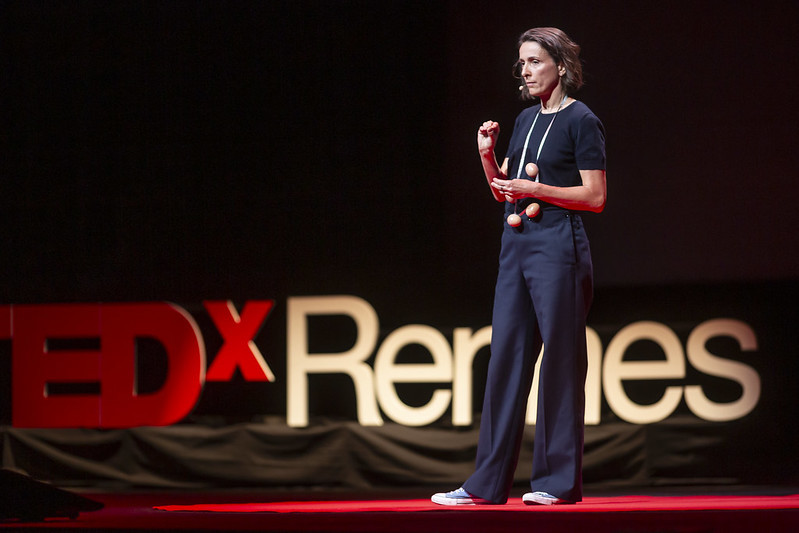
37 367
43 357
453 364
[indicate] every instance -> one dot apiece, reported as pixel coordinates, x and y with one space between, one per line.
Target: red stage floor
411 511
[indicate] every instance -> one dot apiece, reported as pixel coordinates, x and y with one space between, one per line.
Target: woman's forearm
492 170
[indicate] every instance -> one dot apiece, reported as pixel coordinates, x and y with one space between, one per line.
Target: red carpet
412 512
589 505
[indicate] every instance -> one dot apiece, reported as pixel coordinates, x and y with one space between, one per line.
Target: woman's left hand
513 189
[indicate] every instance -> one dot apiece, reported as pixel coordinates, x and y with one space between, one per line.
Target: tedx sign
46 356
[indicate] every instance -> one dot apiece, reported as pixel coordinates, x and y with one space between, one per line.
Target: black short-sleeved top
576 141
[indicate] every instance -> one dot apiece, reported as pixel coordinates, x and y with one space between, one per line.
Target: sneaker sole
538 500
443 500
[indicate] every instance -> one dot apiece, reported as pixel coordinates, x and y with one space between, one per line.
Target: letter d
120 404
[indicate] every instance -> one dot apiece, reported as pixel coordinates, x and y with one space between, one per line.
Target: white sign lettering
375 388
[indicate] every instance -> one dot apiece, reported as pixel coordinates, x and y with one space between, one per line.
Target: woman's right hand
487 136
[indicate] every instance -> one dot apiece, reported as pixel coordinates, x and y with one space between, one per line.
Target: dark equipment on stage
28 500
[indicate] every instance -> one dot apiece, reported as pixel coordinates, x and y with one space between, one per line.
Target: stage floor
410 511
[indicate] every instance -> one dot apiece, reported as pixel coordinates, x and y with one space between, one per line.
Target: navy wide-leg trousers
543 293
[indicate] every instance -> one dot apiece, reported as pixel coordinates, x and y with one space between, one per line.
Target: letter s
744 375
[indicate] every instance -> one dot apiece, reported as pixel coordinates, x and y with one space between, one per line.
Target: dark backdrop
188 150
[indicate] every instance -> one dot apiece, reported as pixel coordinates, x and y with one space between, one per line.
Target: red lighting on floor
590 505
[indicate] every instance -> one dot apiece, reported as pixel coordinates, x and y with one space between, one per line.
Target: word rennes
375 386
36 367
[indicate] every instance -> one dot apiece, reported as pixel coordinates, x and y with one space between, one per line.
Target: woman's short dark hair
563 50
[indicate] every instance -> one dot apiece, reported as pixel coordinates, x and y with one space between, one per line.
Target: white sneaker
543 498
458 497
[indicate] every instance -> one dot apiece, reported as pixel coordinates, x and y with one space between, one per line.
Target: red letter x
238 349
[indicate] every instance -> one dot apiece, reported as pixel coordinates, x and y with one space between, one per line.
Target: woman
544 285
